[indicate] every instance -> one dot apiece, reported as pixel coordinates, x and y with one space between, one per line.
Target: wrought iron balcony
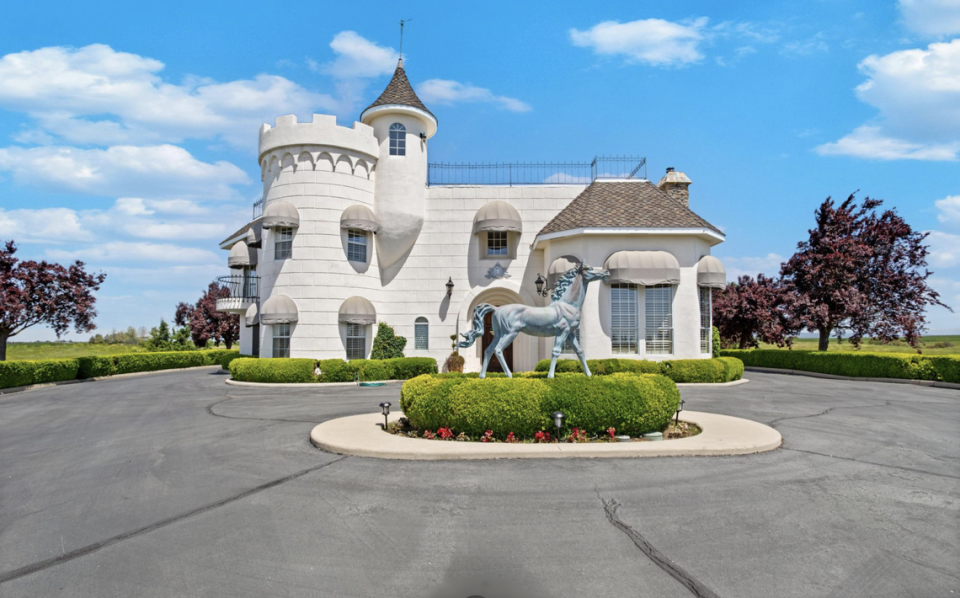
257 208
538 173
244 292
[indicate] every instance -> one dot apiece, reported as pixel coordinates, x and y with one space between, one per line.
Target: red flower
612 432
511 438
445 433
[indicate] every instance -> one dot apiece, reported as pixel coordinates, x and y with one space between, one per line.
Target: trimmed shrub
24 373
733 368
373 369
678 370
945 368
715 345
95 367
226 359
694 370
631 403
405 368
276 370
154 362
335 370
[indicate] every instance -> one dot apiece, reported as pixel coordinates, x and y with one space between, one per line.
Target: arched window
398 140
421 334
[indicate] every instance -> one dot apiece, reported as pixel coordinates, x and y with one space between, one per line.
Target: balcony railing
241 286
538 173
257 209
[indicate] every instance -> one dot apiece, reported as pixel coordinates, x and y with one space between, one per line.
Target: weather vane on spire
402 22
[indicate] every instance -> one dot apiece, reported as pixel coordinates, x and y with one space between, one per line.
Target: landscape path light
558 421
385 407
679 409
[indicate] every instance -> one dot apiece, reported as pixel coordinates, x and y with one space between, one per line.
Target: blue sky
128 132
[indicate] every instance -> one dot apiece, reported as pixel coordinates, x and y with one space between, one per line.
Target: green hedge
733 368
631 403
24 373
332 370
678 370
273 370
944 368
109 365
226 359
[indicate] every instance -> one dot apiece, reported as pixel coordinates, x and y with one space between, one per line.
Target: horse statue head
571 285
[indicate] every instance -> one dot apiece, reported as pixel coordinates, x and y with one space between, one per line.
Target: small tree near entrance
387 345
34 293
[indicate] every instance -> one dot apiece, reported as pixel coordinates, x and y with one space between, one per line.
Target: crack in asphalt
773 424
900 467
263 419
96 546
675 571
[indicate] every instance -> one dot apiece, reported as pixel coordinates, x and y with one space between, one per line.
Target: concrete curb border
233 382
361 435
934 383
16 389
711 384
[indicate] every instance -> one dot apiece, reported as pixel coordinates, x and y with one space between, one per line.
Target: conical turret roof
399 92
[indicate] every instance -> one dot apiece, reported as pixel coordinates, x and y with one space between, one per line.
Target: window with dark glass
624 320
421 334
398 140
281 340
283 244
497 243
356 341
356 245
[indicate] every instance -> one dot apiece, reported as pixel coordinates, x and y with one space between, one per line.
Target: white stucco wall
322 169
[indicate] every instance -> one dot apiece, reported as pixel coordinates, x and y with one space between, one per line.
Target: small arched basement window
421 334
398 140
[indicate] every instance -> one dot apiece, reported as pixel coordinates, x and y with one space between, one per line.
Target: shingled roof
399 91
624 204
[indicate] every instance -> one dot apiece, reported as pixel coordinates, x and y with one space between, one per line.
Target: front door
487 339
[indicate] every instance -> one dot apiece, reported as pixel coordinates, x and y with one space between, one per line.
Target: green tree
387 345
160 339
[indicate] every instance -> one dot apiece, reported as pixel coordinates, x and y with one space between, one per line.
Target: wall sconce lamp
449 286
541 283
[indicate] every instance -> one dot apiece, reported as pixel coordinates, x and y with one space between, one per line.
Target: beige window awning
559 267
497 216
279 309
251 318
281 214
711 273
645 268
254 234
359 217
241 256
357 310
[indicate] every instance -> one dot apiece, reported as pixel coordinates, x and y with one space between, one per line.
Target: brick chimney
676 185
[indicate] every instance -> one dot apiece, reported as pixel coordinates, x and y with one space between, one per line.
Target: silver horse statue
560 319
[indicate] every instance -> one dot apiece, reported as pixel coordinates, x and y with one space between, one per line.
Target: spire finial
402 23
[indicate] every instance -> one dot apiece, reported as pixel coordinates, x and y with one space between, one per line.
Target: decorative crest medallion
497 271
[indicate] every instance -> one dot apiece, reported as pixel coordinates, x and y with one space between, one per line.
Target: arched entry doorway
496 297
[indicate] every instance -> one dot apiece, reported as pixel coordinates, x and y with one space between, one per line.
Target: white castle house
358 228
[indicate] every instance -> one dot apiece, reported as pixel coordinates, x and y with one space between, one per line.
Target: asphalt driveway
176 484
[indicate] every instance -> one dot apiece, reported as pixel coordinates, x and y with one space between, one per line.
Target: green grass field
36 351
930 345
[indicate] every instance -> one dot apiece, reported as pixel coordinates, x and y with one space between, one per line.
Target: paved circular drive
362 435
180 485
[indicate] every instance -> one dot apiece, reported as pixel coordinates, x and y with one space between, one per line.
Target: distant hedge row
943 368
24 373
301 370
721 369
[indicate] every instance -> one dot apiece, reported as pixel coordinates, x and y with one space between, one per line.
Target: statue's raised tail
471 336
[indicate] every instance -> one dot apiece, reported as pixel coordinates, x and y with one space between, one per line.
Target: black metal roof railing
245 287
537 173
257 209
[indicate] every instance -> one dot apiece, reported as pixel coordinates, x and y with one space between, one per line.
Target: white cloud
52 225
944 249
768 265
869 142
69 90
949 211
931 17
806 47
357 57
917 94
655 42
158 171
122 251
443 91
